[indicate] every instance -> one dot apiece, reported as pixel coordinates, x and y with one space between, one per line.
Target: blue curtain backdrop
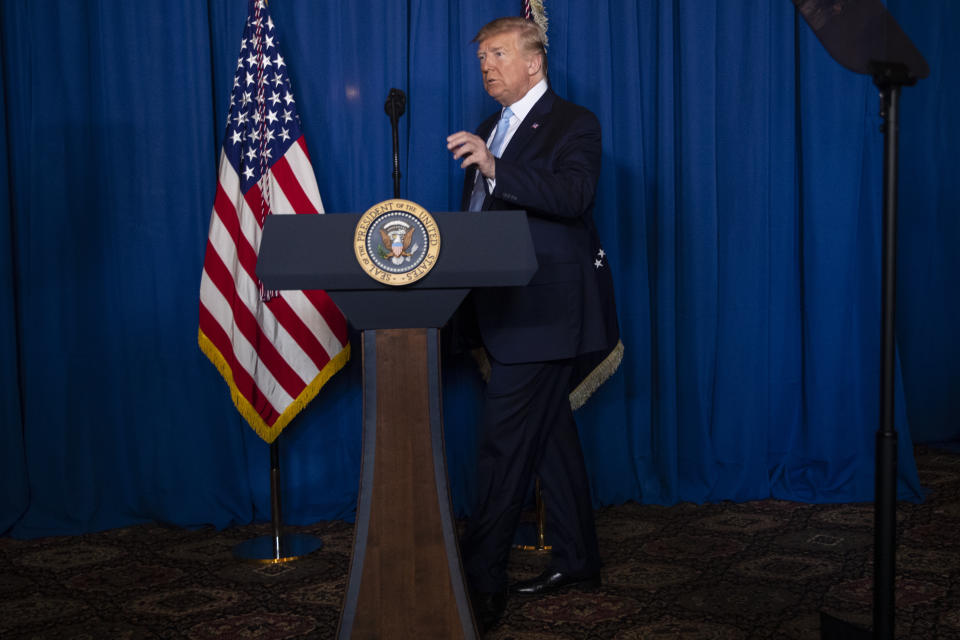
739 200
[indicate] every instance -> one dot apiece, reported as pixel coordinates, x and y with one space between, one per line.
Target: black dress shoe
488 608
553 580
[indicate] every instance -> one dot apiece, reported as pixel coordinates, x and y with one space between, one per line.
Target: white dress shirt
520 110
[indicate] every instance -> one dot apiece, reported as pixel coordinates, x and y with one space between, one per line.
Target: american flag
275 350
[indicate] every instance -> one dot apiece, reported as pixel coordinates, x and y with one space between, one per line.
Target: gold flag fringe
599 375
483 362
266 431
539 15
579 396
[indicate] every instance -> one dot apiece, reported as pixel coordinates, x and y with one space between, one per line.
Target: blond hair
533 40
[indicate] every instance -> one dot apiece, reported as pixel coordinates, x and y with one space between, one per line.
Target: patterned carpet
753 570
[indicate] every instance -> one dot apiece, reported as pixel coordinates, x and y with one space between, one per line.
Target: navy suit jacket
550 168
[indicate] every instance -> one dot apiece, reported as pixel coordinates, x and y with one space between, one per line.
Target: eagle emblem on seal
397 243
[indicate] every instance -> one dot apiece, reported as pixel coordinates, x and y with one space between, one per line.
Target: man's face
507 72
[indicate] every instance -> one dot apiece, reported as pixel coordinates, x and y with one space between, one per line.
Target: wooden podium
405 578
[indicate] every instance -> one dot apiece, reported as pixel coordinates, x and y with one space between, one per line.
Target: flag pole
278 547
533 536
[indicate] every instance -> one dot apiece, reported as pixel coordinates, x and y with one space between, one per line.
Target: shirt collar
522 106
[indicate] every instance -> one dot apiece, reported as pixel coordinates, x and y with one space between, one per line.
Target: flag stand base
277 547
272 550
532 536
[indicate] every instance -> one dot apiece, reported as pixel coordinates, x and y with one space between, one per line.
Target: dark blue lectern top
477 249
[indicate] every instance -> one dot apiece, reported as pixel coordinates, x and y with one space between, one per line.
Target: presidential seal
396 242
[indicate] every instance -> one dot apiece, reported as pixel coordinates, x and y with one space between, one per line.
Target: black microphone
396 103
395 106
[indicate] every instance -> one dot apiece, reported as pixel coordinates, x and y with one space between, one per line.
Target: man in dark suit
541 154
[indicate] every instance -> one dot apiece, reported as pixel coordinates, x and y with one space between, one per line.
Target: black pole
275 515
395 105
277 546
889 79
864 37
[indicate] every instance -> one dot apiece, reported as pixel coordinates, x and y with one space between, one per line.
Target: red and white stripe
276 354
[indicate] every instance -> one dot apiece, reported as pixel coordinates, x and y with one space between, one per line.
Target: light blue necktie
502 127
479 188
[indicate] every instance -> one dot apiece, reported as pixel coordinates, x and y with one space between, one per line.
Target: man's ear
535 64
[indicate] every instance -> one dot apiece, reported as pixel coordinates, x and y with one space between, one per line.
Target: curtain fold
739 204
928 265
14 492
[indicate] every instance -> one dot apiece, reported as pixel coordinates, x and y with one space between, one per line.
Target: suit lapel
536 118
530 127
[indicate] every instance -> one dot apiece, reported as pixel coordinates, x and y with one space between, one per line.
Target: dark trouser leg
566 492
527 425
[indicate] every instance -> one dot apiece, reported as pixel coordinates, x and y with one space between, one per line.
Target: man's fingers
460 135
469 148
463 144
460 138
468 160
463 152
459 150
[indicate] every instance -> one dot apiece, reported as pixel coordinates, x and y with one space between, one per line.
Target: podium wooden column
405 580
406 564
